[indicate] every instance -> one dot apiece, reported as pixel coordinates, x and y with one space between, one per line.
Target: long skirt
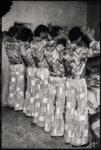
41 96
30 92
54 122
76 115
16 88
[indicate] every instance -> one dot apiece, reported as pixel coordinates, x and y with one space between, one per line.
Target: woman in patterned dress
17 70
26 36
76 115
54 121
41 34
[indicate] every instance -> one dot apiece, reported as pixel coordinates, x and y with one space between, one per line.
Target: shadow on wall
93 17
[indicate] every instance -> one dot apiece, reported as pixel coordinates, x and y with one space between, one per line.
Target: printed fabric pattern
16 89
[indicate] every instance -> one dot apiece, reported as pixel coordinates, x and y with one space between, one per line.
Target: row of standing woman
53 64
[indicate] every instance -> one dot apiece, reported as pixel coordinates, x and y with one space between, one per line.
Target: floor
19 132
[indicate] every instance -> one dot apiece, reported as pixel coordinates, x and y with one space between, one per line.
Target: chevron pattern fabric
13 48
17 72
38 53
27 55
95 46
76 59
54 60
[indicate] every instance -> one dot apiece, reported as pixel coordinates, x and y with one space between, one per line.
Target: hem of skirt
17 109
47 130
34 122
80 145
29 115
53 135
25 112
40 125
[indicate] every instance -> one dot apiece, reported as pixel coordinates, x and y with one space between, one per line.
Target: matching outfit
17 71
56 101
41 81
30 78
76 115
52 89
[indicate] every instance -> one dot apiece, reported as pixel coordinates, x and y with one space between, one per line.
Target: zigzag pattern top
38 53
27 55
54 60
95 46
13 48
77 58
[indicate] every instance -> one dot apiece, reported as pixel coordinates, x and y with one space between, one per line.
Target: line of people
53 64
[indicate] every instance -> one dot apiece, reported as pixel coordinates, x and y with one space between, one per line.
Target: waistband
71 77
29 67
16 63
41 69
57 79
55 75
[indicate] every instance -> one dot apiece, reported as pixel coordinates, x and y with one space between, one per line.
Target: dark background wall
93 17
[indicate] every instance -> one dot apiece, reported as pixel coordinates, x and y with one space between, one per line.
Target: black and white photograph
50 74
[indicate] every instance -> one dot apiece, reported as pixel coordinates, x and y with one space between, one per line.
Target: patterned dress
41 82
30 76
54 121
17 71
76 115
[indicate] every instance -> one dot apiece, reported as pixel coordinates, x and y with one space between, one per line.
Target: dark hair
4 33
41 28
13 32
86 41
62 41
75 33
55 30
26 34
